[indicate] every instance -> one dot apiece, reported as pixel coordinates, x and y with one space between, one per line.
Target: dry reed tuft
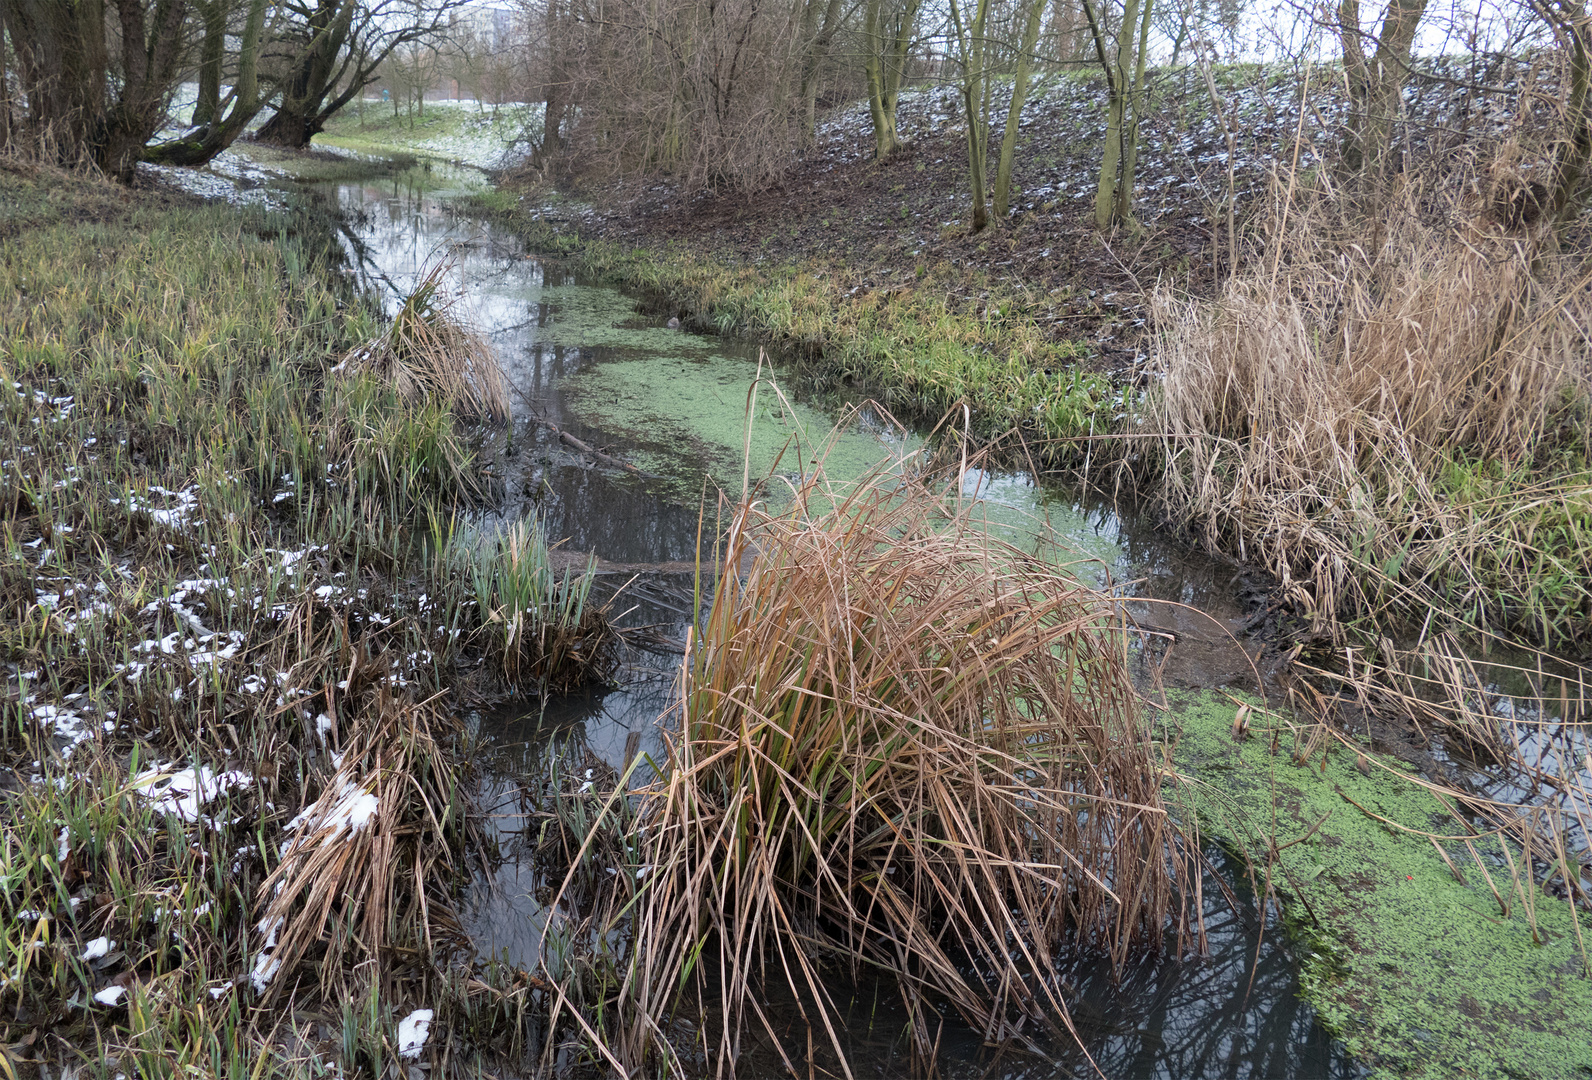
430 354
1327 414
905 748
361 874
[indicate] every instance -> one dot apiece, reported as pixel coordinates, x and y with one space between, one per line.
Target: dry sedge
905 748
1320 415
431 354
368 864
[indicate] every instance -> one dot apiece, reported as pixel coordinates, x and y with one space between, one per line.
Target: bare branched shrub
706 92
902 747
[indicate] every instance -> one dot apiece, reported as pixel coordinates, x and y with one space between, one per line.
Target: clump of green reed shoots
902 747
431 354
540 626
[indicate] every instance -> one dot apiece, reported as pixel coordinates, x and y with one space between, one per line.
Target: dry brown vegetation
429 352
1389 414
903 748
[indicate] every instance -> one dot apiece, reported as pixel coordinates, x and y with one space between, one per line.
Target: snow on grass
186 791
486 137
413 1030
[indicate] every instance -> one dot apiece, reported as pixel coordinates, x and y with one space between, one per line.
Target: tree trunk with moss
888 27
1025 55
227 118
970 39
1125 100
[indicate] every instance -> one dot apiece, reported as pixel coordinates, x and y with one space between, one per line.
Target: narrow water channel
587 360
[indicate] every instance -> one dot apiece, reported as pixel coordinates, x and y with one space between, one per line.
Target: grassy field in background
485 136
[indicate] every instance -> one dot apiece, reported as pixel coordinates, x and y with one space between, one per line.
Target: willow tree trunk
229 117
207 104
887 29
1376 84
1025 55
818 37
61 63
1137 96
313 76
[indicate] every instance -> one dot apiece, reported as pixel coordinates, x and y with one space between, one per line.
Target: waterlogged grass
902 747
224 649
1422 974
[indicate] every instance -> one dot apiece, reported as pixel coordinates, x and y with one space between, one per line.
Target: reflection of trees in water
1219 1016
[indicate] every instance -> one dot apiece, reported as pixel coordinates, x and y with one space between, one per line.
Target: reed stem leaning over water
901 746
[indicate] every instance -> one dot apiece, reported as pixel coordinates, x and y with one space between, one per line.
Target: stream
598 365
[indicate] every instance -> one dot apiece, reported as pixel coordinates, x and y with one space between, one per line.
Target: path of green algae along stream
1419 973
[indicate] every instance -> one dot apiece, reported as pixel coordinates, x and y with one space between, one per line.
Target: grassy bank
462 132
236 793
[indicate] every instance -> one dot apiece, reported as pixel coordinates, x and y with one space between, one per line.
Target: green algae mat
1422 974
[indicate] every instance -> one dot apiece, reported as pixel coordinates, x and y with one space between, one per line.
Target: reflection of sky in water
674 404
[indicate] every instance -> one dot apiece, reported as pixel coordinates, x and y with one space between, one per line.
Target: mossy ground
1421 975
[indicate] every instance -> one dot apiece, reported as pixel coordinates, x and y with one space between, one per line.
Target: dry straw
904 748
364 875
1313 417
431 354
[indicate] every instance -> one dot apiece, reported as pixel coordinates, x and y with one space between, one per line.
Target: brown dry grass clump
363 874
1390 415
431 354
905 748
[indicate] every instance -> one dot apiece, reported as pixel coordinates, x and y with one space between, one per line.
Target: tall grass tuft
905 748
538 624
1390 415
430 354
366 863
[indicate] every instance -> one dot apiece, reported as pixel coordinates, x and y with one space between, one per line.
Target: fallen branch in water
569 440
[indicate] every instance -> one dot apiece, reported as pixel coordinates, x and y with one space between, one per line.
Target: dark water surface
585 359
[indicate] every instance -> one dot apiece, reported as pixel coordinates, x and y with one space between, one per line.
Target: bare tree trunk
975 102
207 104
150 53
818 37
888 26
297 118
1124 101
231 116
62 64
1376 84
1137 95
1025 54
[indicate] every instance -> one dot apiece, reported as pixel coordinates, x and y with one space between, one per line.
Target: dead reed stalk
903 747
366 865
1388 424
